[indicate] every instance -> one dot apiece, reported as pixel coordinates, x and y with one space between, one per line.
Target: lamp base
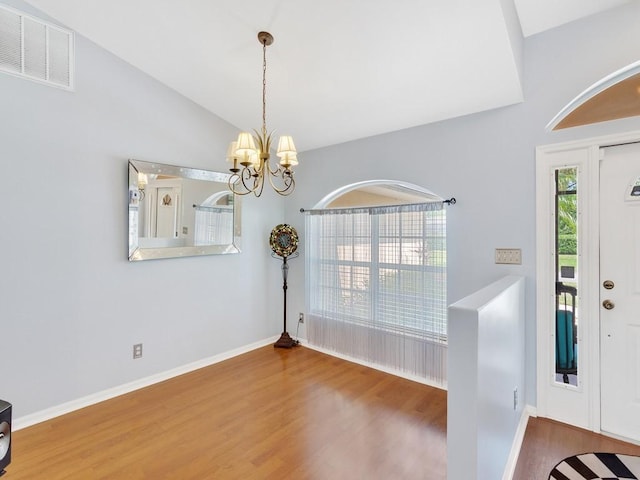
285 341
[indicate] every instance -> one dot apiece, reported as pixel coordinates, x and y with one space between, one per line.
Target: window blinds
213 225
376 280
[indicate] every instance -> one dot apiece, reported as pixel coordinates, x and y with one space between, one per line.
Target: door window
566 275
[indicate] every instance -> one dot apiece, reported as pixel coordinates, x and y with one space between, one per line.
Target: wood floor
273 414
268 414
546 443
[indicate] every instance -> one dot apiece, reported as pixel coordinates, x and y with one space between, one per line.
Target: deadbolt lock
608 304
608 284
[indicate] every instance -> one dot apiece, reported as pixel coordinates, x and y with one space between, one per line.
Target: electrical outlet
515 398
301 318
137 351
512 256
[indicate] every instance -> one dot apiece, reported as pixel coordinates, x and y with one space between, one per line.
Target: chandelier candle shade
250 153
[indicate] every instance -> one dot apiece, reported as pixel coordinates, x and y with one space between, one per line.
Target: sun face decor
284 243
283 240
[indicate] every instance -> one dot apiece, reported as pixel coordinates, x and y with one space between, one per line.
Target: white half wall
486 379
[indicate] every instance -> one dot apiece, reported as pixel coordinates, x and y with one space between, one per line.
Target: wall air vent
35 49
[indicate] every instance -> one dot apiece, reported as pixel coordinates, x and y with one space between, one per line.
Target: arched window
376 277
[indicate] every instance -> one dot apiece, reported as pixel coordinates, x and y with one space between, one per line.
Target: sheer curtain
376 286
213 225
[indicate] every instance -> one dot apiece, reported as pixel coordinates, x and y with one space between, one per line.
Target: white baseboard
510 468
375 366
67 407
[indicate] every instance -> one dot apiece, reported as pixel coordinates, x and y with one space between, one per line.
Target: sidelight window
566 268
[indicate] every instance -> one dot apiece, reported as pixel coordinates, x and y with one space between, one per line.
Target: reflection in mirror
566 275
179 212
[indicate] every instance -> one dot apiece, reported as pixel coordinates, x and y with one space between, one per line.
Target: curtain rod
450 201
213 207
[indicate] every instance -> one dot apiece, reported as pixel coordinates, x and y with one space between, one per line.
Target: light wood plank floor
268 414
546 443
273 414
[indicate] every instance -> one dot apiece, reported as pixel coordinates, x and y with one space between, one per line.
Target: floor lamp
284 243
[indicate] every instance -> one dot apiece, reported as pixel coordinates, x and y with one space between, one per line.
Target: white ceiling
338 69
539 15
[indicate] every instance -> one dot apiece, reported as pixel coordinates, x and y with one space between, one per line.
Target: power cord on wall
297 330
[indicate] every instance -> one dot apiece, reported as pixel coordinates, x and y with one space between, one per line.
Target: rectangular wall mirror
180 212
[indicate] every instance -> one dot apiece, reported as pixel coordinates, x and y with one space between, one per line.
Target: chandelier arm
233 182
243 178
277 171
258 186
287 180
257 169
234 185
257 177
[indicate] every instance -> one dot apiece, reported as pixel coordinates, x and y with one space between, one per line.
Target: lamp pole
285 341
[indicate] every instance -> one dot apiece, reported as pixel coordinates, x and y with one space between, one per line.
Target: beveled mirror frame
136 196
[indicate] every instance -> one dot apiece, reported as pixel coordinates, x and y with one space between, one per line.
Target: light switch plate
512 256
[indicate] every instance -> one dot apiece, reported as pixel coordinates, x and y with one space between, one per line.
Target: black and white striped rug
597 466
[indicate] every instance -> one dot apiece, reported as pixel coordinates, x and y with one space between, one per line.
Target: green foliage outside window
567 227
567 245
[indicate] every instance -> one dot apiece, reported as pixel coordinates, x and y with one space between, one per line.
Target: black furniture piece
5 435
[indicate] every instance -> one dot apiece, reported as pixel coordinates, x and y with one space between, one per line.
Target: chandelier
250 162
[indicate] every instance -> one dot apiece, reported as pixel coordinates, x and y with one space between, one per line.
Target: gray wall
71 305
486 160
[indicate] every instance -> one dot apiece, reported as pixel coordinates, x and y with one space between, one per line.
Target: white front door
620 290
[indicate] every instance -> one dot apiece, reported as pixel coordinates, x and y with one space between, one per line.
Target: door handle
608 304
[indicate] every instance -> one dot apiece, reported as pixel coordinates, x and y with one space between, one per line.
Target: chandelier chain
264 88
